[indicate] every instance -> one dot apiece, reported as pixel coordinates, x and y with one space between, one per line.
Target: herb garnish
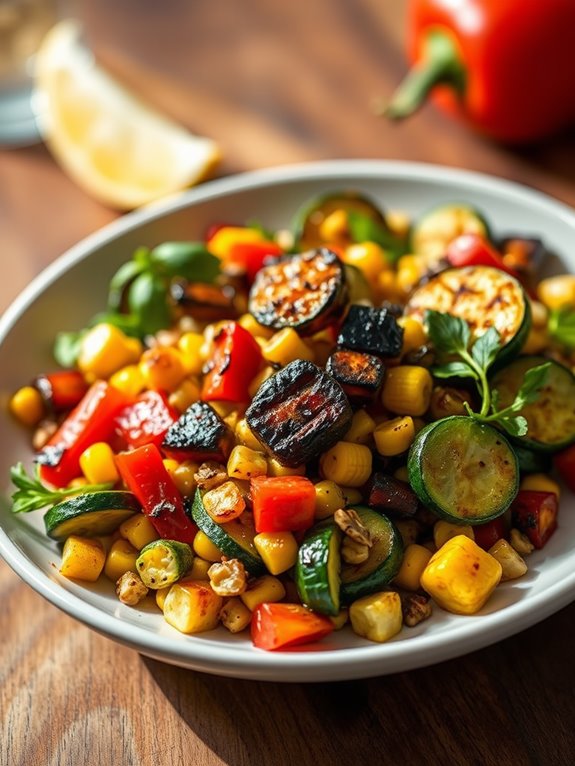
32 495
561 326
451 336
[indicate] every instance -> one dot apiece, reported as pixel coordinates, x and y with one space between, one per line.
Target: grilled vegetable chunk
298 413
374 331
360 375
391 496
303 291
199 434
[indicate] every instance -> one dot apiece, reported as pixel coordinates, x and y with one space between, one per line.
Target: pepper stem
440 63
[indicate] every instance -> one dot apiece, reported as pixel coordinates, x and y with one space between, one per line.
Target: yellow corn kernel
182 474
445 530
512 564
368 257
401 474
340 620
121 558
392 437
27 406
347 464
540 482
461 576
205 548
191 606
255 329
415 559
277 549
266 588
185 394
138 530
556 292
223 408
105 349
285 346
361 428
199 569
377 617
328 499
235 616
78 483
129 380
352 496
408 529
262 376
82 558
160 596
227 236
414 335
536 341
398 221
407 390
245 463
334 226
275 468
410 269
162 368
98 465
245 436
189 345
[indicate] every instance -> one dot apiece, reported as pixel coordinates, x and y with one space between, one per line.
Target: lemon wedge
115 147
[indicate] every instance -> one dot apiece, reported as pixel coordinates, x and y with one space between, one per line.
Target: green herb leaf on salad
561 327
365 229
32 495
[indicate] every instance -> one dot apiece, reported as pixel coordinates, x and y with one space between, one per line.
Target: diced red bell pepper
144 473
280 626
61 390
486 535
565 463
146 420
234 363
535 514
473 250
282 503
251 256
92 420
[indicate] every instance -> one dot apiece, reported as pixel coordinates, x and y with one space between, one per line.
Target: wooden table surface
274 83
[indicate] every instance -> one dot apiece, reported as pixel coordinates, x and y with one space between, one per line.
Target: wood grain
274 83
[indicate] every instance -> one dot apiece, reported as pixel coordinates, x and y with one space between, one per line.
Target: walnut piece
210 475
350 524
228 578
415 608
353 552
130 589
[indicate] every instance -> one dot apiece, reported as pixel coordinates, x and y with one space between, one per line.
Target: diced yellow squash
415 559
121 558
105 349
461 576
245 463
82 558
191 606
377 617
277 549
235 615
138 530
266 588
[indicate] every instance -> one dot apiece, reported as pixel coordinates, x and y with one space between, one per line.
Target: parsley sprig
31 494
451 337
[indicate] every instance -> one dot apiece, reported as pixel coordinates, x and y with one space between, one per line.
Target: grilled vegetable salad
353 421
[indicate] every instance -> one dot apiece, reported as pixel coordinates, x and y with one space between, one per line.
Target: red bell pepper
251 256
234 363
144 473
504 67
92 420
565 463
61 390
486 535
146 420
473 250
280 626
535 514
282 503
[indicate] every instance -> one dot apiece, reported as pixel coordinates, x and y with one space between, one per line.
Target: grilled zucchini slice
90 514
551 418
163 562
317 569
484 297
436 228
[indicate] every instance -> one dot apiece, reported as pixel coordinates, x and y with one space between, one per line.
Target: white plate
73 288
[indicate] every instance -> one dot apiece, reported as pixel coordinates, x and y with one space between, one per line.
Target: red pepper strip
146 420
565 463
279 626
145 475
479 59
234 363
61 390
535 514
473 250
282 503
486 535
251 256
91 421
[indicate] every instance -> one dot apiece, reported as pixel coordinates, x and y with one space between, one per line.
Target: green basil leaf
67 347
363 228
190 260
148 302
561 326
454 370
127 323
121 279
449 334
533 382
486 347
515 426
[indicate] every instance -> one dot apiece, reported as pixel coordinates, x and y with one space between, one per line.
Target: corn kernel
410 269
162 368
262 376
182 474
255 329
285 346
138 530
245 436
361 428
415 559
347 464
339 620
129 380
414 335
392 437
368 257
160 595
334 226
557 292
388 287
205 548
189 345
27 406
329 498
445 530
105 349
199 569
377 617
278 550
121 558
185 394
245 463
407 390
264 589
82 558
275 468
540 482
98 465
512 564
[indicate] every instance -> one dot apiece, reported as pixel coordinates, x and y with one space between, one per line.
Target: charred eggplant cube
299 413
360 375
374 331
392 497
198 434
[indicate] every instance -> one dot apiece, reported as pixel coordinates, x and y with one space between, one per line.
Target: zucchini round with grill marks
303 291
383 562
482 296
463 470
90 514
551 417
317 569
436 228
